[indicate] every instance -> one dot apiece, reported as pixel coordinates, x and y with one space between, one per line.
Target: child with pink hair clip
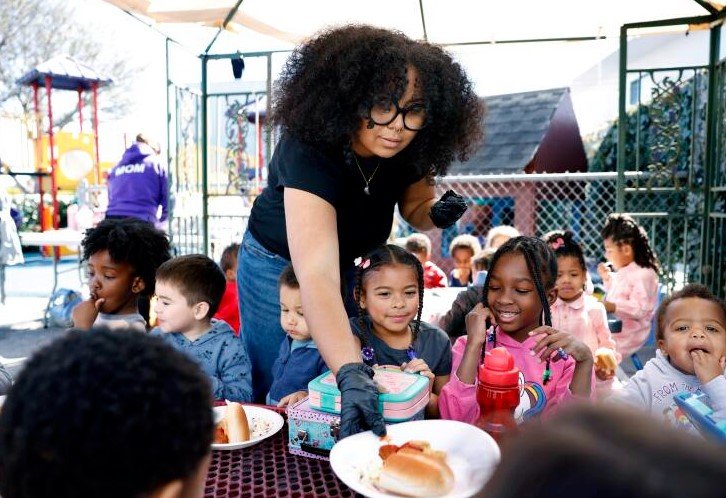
577 312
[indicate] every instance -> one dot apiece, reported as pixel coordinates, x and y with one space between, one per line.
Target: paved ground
27 288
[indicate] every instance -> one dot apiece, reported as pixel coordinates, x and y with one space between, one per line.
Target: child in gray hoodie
691 356
189 290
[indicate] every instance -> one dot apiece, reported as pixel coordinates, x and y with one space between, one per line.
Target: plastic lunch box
311 433
314 422
403 395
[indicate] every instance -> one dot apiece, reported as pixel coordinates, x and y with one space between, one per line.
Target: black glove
448 209
358 401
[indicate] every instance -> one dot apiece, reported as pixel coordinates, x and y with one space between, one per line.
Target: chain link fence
538 203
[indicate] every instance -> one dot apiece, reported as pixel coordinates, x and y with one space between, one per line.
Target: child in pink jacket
632 290
577 312
518 291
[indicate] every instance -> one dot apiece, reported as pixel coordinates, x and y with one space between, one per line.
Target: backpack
60 307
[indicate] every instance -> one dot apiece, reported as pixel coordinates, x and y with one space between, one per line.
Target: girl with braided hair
632 289
516 299
389 292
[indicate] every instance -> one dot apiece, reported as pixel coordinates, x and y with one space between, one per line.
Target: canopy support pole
423 20
94 89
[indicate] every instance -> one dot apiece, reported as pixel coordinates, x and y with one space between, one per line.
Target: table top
268 469
60 237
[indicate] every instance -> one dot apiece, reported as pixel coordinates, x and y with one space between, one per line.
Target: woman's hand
358 401
552 343
476 325
447 210
421 367
84 314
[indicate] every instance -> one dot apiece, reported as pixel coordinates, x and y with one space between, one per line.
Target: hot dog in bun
414 469
234 427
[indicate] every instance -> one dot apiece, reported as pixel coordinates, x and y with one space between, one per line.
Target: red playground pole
53 186
38 154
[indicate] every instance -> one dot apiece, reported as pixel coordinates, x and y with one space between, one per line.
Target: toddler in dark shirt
299 360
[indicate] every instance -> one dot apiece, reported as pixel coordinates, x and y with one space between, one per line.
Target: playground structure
78 158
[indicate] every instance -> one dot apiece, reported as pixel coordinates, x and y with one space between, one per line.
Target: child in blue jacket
189 290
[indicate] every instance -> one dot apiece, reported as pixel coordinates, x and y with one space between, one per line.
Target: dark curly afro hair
329 84
130 241
104 414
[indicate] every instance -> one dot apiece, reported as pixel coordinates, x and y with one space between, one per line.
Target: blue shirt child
297 363
223 358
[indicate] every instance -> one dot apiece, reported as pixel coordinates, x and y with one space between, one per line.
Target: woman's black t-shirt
364 221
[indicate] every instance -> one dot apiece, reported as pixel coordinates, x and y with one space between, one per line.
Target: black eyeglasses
386 110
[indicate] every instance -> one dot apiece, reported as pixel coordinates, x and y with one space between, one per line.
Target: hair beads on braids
387 255
542 265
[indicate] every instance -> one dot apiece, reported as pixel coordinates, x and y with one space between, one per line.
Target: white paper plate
471 453
263 424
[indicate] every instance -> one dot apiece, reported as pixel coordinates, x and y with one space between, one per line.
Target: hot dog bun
237 427
605 359
411 473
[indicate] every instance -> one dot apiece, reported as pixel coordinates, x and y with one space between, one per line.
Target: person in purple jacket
138 185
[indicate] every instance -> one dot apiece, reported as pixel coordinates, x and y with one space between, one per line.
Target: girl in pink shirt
518 291
632 290
577 312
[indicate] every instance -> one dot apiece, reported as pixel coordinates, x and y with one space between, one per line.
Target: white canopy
267 25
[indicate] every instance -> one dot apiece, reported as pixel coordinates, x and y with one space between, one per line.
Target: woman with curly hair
369 117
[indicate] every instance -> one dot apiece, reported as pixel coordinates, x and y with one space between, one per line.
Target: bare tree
33 31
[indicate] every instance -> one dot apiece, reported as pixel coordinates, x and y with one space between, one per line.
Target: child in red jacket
229 307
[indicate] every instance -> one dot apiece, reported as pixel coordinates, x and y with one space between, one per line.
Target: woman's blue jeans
259 308
258 270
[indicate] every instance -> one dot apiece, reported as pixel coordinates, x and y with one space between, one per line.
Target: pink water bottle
497 393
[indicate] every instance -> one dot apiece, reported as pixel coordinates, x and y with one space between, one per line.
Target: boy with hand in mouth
691 356
122 256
